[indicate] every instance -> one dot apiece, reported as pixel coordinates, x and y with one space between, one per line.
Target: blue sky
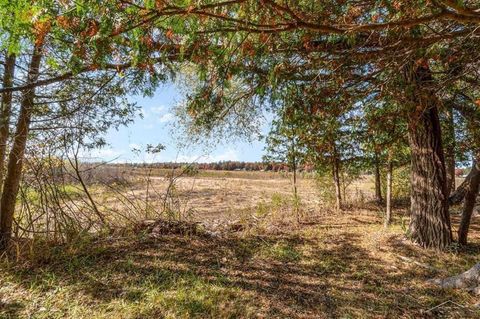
155 127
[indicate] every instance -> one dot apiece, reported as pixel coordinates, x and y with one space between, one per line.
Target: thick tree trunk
388 214
15 159
450 150
471 193
5 111
430 221
378 185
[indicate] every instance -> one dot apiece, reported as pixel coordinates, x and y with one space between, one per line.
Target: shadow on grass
284 276
11 309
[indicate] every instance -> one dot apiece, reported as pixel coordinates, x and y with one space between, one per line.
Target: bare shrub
101 173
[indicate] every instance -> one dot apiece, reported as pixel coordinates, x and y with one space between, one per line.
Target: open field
331 265
227 195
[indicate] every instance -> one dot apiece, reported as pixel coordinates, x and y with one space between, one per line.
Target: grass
350 269
215 174
70 190
334 265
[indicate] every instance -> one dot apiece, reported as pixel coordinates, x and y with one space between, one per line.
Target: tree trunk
378 185
336 180
15 159
294 168
430 222
388 214
471 193
450 150
461 191
471 116
5 112
295 191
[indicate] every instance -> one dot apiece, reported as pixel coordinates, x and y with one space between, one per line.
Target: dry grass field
231 195
330 265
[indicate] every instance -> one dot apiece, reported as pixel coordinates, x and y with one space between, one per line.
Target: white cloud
103 154
190 158
168 117
228 155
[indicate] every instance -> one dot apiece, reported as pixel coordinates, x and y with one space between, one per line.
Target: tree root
469 280
410 260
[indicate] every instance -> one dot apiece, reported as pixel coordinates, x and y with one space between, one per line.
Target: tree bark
471 193
430 222
16 156
450 149
378 184
5 111
388 214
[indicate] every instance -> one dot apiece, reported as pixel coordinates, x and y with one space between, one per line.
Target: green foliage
190 170
283 141
386 139
326 188
400 183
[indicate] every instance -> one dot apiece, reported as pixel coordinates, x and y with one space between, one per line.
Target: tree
283 143
468 190
80 47
388 210
358 54
6 109
386 140
15 159
471 194
328 125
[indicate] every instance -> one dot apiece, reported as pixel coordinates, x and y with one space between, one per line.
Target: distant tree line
227 166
